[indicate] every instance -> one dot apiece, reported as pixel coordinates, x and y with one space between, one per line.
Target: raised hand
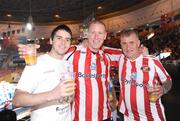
63 89
155 93
22 49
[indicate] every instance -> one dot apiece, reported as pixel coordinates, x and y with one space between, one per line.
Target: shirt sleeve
161 72
29 79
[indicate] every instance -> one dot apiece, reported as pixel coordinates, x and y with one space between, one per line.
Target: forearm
166 86
22 98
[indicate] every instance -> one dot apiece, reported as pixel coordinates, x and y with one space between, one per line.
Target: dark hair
61 27
128 32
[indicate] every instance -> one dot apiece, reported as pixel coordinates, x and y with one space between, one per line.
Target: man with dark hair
40 85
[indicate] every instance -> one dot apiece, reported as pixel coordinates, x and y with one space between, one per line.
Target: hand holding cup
155 92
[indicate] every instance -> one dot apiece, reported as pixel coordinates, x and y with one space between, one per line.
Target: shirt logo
83 75
93 66
83 52
134 76
145 68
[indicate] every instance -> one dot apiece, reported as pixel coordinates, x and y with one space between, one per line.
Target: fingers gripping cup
152 95
30 56
68 77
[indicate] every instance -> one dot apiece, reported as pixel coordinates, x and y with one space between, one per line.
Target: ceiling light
99 7
8 15
57 16
29 25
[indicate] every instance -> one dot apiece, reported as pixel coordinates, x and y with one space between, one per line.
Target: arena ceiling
44 11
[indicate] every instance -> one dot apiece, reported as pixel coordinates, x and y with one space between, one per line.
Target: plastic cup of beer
152 95
69 77
31 55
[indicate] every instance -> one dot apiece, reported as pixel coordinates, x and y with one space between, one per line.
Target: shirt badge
145 68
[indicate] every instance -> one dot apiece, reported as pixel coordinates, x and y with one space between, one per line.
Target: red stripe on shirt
88 87
100 88
107 82
146 97
133 93
77 91
159 110
122 81
112 51
71 49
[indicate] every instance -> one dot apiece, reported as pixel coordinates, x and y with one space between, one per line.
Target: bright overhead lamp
99 7
8 15
29 25
56 16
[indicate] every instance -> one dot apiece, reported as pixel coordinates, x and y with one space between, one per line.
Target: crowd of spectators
165 41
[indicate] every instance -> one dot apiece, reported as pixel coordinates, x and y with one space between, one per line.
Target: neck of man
133 57
94 50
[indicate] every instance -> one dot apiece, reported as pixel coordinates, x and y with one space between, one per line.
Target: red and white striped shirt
92 70
135 76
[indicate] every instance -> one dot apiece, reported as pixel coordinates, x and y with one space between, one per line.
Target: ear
50 41
105 35
139 43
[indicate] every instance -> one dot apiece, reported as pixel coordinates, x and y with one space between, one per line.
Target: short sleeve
29 79
161 72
